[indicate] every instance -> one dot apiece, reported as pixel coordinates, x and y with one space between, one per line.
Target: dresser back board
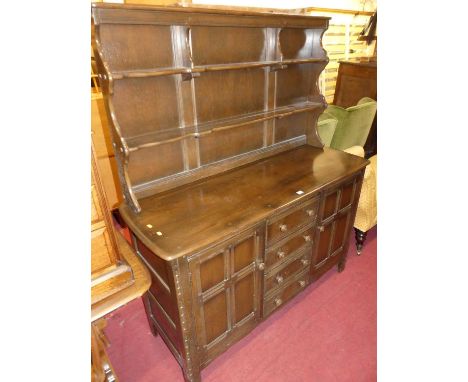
194 92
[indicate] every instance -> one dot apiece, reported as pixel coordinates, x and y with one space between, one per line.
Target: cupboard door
226 285
337 216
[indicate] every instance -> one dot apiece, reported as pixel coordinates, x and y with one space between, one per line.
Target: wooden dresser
233 203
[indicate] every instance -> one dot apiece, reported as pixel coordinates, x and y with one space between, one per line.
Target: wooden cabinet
337 217
233 203
226 287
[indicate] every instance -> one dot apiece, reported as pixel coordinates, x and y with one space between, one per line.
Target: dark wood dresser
233 204
358 79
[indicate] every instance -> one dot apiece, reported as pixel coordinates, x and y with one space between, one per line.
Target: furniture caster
360 238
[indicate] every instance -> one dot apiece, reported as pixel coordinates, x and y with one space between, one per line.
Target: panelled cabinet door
336 222
226 285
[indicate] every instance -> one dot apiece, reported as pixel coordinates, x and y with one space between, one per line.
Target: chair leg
360 238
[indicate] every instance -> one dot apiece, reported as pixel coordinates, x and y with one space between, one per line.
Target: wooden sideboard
358 79
232 201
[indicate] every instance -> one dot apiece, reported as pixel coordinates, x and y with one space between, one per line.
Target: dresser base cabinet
202 302
232 201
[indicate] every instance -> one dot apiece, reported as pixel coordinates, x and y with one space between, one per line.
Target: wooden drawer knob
281 254
261 266
305 262
283 227
279 279
302 283
310 212
278 301
307 238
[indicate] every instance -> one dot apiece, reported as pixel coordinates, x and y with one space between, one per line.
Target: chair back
353 125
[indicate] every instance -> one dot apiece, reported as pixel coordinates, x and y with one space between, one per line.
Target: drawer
289 247
285 294
282 225
285 274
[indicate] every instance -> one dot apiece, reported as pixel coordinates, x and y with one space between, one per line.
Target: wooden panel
300 43
290 127
222 45
215 313
101 249
297 83
96 212
330 205
244 253
155 162
228 143
127 47
339 234
323 244
229 93
145 105
212 271
347 194
244 297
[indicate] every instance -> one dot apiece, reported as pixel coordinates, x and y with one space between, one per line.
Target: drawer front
282 276
282 225
289 247
285 294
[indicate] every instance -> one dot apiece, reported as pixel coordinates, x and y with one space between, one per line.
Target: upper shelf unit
191 92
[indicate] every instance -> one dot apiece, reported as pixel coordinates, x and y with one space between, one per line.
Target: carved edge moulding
175 146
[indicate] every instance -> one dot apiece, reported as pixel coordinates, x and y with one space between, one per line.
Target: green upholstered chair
326 126
354 123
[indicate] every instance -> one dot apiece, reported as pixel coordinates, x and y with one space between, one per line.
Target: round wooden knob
281 254
305 262
307 238
283 227
279 279
261 266
310 212
302 283
321 228
278 301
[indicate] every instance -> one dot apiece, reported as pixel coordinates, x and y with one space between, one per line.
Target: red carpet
327 333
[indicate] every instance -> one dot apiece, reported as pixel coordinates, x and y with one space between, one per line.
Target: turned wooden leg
360 238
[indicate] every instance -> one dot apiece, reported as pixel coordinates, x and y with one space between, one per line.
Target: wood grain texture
192 92
233 203
214 208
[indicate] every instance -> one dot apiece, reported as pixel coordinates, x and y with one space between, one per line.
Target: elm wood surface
358 79
222 205
227 185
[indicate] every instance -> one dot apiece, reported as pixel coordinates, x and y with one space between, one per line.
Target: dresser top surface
190 218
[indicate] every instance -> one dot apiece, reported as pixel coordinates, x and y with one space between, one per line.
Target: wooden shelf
156 72
177 134
141 284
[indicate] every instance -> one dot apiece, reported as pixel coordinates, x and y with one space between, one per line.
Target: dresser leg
194 377
360 238
342 263
149 315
